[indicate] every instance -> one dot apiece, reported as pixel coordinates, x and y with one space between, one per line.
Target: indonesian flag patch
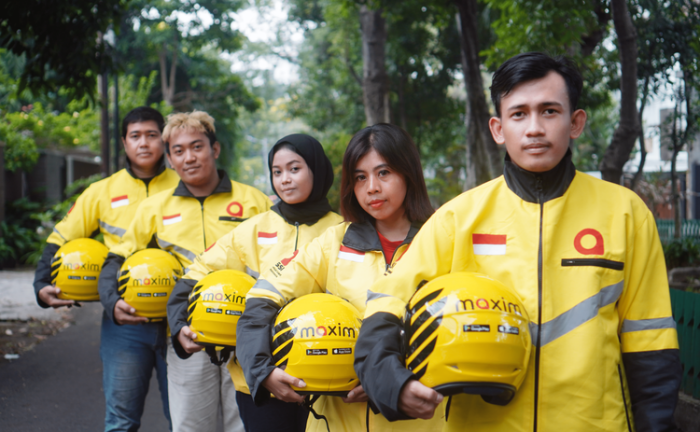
489 244
169 220
346 253
267 238
119 201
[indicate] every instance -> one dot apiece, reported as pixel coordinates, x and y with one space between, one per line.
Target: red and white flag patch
265 238
169 220
350 254
119 201
489 244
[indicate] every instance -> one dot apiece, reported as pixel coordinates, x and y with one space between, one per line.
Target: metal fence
686 312
689 228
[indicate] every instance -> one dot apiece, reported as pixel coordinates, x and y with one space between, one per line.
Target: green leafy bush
28 224
683 252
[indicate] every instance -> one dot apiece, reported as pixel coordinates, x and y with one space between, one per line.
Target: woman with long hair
301 176
384 201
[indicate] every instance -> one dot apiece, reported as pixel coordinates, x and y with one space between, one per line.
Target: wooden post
2 181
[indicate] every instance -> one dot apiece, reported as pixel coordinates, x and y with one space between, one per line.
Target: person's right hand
419 401
279 384
49 295
125 314
187 338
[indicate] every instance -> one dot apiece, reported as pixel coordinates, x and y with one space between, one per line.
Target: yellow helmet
76 267
216 304
314 339
146 280
467 333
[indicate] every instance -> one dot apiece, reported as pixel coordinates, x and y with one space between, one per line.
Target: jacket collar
159 171
363 237
539 187
224 186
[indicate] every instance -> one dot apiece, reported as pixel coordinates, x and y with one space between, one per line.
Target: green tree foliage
60 41
182 42
422 59
28 124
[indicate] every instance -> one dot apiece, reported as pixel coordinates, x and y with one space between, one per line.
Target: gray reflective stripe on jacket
648 324
179 249
577 315
119 232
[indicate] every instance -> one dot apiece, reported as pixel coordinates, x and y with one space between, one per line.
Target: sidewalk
57 386
17 298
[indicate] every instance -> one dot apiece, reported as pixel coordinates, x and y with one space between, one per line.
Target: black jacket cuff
178 302
380 365
253 346
654 379
108 283
42 276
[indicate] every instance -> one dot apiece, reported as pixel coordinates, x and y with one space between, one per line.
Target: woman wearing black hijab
301 176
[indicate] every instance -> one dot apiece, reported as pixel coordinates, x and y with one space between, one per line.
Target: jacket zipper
624 399
296 240
539 304
204 233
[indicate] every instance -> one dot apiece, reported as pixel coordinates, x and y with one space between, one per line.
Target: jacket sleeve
253 346
81 221
177 312
379 354
136 238
42 276
648 332
304 272
107 284
292 277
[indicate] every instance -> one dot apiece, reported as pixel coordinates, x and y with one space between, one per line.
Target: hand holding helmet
280 383
125 314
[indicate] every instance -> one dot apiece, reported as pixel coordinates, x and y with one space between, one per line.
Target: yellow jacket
344 261
106 206
176 221
263 241
585 257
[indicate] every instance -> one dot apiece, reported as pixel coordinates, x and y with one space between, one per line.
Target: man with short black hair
107 207
583 255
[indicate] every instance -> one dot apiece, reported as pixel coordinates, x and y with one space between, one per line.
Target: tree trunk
642 147
375 82
624 137
484 160
104 122
168 89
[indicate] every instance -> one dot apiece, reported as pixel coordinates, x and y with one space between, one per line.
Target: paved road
57 386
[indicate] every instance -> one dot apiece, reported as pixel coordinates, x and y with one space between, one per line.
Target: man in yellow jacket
184 221
107 207
584 256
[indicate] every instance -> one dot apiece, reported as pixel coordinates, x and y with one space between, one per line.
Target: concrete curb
688 413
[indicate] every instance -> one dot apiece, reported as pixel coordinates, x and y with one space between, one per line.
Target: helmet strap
308 404
218 358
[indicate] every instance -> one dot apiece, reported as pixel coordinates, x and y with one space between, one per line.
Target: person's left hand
356 395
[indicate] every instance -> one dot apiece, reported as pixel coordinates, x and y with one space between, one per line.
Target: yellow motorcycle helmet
215 305
146 280
467 333
313 338
76 267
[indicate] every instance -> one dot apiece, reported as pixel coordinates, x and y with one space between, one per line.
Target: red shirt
388 246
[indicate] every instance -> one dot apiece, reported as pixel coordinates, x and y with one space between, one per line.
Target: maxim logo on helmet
82 266
487 304
223 297
337 330
158 280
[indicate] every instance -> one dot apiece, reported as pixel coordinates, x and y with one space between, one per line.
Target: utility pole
117 132
104 122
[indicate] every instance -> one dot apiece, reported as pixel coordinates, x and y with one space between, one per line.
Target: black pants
274 415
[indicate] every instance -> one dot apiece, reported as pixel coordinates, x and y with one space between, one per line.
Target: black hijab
316 205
